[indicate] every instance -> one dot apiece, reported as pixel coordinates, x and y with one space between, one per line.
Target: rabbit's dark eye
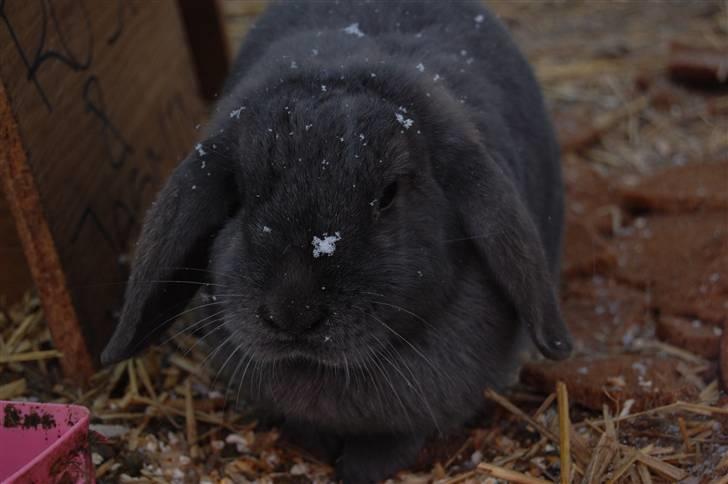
388 196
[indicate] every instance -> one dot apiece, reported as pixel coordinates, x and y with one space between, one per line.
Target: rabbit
375 214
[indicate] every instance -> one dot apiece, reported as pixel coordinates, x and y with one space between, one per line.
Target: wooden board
210 47
98 101
14 274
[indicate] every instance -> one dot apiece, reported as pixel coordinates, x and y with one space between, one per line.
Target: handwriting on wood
98 101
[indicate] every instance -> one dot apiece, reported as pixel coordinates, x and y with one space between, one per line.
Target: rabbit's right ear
499 226
173 250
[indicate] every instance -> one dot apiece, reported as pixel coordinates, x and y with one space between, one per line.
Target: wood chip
13 389
30 356
191 420
664 469
564 432
509 475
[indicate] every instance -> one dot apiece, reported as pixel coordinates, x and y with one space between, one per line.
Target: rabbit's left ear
173 250
500 227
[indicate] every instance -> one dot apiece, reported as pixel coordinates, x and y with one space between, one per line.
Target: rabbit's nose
293 318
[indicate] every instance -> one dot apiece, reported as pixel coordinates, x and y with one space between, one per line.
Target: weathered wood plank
99 101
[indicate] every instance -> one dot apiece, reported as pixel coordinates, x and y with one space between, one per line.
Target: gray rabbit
376 211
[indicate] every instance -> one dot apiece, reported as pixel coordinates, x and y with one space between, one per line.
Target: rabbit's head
324 216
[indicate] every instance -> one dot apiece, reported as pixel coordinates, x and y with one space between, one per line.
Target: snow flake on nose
353 29
406 122
325 245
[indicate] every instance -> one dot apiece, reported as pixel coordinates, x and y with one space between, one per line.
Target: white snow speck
479 18
477 457
242 444
325 245
463 52
194 187
314 51
323 88
294 65
203 165
640 367
420 67
353 29
372 74
300 469
436 78
361 136
406 122
628 404
307 127
200 150
235 113
266 229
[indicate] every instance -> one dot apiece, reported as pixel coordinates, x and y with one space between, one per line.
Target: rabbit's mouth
307 352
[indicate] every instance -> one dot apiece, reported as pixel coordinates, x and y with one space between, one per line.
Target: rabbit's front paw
369 459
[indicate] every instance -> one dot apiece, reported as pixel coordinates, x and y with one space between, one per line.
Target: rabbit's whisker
417 389
231 380
197 325
400 308
387 378
222 367
220 324
212 353
197 269
242 379
157 327
173 281
474 237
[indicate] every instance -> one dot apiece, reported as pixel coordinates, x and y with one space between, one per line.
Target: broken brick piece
682 259
586 252
724 358
575 131
687 188
595 381
591 198
692 335
699 65
662 93
602 314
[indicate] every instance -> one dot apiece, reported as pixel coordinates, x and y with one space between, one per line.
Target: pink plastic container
44 443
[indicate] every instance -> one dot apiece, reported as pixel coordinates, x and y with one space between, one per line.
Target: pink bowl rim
82 422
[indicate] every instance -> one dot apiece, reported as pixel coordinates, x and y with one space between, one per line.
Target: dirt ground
643 121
